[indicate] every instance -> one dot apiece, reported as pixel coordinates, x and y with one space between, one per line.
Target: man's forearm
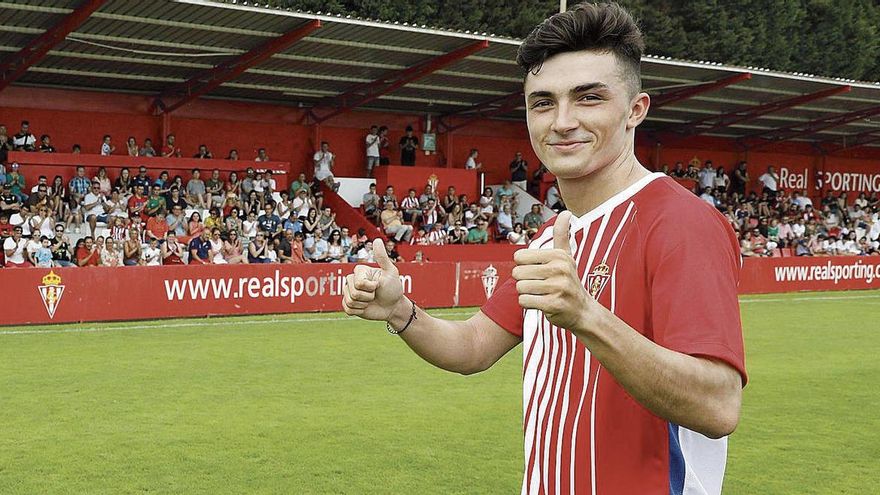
449 345
700 394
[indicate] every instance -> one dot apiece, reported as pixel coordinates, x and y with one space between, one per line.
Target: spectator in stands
16 182
324 161
261 155
124 183
157 227
142 179
519 170
389 197
431 214
392 223
148 149
533 220
706 176
61 254
504 221
203 153
43 256
39 196
335 250
93 208
480 234
554 199
88 254
137 204
196 193
472 215
370 203
152 254
436 234
426 195
104 186
365 253
506 194
372 149
46 144
471 162
692 172
200 248
233 155
708 197
770 180
132 149
24 140
175 199
247 183
214 187
721 182
456 215
487 205
257 249
172 251
249 226
517 236
111 255
384 146
107 147
215 251
5 148
409 144
195 227
740 179
170 150
233 185
233 252
410 207
42 223
297 250
14 249
269 223
132 253
327 221
9 203
233 221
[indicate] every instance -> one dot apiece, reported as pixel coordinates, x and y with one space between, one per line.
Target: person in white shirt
107 149
707 175
43 224
261 155
437 236
372 144
770 180
471 163
93 207
152 255
798 228
249 226
323 161
721 181
14 247
707 196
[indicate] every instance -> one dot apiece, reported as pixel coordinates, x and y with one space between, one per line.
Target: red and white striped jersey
667 264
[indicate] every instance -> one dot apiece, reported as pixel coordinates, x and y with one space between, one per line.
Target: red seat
776 253
787 252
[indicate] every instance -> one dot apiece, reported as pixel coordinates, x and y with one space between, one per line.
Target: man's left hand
548 280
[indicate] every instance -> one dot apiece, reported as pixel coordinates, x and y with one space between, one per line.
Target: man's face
42 191
24 128
139 190
771 170
580 113
268 209
302 178
325 147
215 174
196 174
142 171
80 172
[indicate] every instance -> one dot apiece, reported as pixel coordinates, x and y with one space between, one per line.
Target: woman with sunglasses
60 196
131 249
216 250
233 252
335 253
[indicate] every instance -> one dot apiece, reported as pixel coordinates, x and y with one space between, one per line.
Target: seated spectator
327 221
148 149
131 146
157 228
24 140
214 187
200 248
156 203
173 252
152 254
335 250
5 148
504 220
233 222
450 200
16 182
43 256
233 252
298 253
88 254
107 147
391 250
214 221
420 238
437 236
457 233
110 255
261 155
431 214
507 194
480 234
233 155
324 161
316 247
257 249
203 153
389 197
518 236
533 220
365 253
14 249
170 150
177 223
233 185
392 223
215 251
94 208
269 223
46 144
249 226
131 249
61 254
370 204
137 205
195 227
196 194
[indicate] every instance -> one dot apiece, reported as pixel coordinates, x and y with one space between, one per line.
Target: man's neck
584 194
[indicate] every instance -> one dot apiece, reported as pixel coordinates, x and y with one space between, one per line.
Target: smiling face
581 112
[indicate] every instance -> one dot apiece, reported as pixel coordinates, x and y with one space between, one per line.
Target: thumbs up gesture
374 293
548 280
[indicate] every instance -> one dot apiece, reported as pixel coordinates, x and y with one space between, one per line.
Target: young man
372 145
626 388
324 160
409 143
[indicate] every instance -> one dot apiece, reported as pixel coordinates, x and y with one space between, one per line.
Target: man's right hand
375 293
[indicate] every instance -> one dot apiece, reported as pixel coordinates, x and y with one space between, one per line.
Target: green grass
330 405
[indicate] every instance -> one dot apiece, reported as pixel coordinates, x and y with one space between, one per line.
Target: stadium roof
177 50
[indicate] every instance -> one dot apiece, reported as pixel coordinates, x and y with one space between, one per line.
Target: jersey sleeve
503 308
694 273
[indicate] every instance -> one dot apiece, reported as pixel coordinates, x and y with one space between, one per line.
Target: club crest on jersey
51 292
489 278
597 279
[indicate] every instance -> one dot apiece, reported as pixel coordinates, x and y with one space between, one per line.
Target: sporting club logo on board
51 292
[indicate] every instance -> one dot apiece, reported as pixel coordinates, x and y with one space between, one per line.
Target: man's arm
464 347
700 394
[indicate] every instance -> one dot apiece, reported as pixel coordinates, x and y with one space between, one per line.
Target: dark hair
587 26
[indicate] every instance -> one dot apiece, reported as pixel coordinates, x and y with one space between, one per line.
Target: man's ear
638 110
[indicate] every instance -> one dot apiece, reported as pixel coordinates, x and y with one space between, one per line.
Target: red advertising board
771 275
63 295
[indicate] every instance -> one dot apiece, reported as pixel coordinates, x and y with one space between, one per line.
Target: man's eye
590 97
541 104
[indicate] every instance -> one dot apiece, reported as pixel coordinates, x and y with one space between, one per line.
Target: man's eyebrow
577 89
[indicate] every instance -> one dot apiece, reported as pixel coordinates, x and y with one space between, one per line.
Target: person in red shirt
88 254
171 150
626 305
157 228
137 204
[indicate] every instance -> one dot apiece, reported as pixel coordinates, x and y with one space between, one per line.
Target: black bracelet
412 318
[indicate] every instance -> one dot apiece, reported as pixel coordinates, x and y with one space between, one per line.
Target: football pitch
327 404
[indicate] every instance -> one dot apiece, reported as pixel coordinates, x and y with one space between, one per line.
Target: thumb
562 232
381 255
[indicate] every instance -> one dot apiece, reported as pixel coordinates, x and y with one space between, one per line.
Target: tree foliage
836 38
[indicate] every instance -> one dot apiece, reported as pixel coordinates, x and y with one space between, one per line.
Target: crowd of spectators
774 221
